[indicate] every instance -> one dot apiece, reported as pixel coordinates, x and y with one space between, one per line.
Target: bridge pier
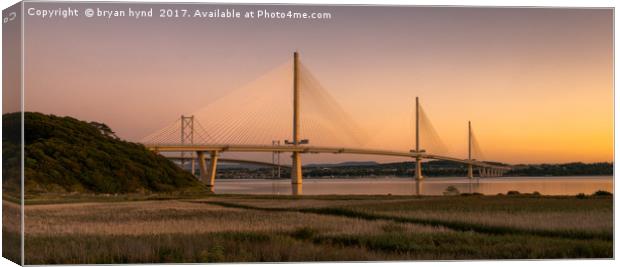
296 174
193 167
207 174
212 169
418 169
470 171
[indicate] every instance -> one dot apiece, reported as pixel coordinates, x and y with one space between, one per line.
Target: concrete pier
207 174
296 174
418 169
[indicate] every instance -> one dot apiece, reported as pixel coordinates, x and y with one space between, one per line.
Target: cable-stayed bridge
250 121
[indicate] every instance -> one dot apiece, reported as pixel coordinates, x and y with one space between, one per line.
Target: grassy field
315 228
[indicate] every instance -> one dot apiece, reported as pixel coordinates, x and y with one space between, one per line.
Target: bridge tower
470 168
418 159
296 174
187 137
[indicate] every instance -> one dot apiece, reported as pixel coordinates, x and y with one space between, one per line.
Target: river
429 186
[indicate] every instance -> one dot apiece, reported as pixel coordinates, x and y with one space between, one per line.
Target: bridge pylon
470 168
418 158
187 137
296 171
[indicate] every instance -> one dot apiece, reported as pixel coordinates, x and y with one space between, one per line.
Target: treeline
430 169
568 169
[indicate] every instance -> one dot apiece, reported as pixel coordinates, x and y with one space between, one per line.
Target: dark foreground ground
314 228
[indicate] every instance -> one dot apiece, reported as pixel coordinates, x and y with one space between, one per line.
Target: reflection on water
296 189
408 186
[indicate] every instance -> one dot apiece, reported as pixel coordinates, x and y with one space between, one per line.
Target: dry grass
588 221
11 232
305 202
262 228
11 216
591 215
159 217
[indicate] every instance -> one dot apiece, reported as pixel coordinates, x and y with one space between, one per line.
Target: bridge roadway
308 149
239 161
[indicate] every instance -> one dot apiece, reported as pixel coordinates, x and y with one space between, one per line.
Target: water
408 186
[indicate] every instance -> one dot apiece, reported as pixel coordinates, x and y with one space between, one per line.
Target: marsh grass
471 245
483 220
185 248
575 217
322 228
158 217
545 215
10 245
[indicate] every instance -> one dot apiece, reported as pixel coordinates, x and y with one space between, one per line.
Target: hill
342 164
63 154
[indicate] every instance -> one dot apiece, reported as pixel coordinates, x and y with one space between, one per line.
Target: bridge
198 151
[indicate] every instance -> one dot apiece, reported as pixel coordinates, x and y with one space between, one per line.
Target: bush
451 191
472 194
581 196
513 193
602 193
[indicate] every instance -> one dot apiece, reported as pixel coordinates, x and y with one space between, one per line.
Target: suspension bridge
187 140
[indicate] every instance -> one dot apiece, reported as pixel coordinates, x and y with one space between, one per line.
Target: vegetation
451 191
63 154
602 193
567 169
435 168
239 228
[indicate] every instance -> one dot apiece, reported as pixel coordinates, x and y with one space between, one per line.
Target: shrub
602 193
513 193
581 196
451 191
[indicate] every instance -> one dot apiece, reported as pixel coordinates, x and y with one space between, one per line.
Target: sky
536 83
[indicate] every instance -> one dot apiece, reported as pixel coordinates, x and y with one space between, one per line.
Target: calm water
429 186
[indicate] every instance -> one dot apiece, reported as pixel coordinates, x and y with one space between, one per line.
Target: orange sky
537 84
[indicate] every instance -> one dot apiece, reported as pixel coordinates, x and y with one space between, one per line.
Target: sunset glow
537 84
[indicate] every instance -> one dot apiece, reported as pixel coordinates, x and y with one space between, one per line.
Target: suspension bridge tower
187 137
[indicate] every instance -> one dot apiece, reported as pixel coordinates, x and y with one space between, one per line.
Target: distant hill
63 154
442 168
342 164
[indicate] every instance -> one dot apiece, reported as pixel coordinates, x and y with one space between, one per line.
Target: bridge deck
311 149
